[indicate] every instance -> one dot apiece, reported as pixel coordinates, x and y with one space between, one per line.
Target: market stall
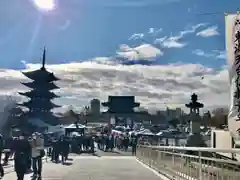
79 128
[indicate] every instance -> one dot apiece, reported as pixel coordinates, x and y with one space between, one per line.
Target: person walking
134 144
64 149
21 147
37 154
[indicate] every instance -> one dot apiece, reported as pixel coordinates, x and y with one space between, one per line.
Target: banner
232 30
112 120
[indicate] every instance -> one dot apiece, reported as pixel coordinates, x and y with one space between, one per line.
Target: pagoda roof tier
39 104
41 75
36 85
39 94
46 117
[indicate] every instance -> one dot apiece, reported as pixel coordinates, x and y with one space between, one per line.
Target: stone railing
191 163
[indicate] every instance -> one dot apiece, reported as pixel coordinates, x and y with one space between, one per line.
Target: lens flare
46 5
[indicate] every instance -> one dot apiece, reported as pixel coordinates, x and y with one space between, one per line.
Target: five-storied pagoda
40 104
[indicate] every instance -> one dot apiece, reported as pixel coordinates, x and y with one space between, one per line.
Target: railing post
200 163
173 158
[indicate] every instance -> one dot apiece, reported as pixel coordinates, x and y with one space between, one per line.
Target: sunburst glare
46 5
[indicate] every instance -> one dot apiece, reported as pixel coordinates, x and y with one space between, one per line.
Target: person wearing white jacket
37 154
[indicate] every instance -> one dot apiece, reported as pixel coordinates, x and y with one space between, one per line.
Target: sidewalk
51 171
9 168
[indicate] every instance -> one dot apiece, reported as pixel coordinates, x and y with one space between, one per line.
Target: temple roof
35 85
40 94
47 117
121 104
41 74
38 104
109 104
121 101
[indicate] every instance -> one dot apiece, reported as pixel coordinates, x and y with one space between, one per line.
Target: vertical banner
112 120
232 31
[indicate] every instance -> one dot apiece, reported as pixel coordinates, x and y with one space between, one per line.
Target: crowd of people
28 152
110 141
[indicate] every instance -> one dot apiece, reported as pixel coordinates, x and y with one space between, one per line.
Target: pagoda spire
44 58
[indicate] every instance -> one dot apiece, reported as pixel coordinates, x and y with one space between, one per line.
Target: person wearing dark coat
21 148
134 144
53 152
64 149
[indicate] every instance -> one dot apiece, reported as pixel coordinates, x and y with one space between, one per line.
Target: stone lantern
195 138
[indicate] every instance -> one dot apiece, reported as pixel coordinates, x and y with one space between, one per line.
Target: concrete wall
222 139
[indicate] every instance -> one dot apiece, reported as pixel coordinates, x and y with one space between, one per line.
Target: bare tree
220 111
10 114
85 113
219 117
70 116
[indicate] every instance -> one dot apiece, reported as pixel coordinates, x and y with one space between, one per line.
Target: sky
161 51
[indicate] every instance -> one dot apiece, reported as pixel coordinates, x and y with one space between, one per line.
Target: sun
46 5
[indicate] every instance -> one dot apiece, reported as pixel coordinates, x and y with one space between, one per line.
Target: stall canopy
73 126
145 132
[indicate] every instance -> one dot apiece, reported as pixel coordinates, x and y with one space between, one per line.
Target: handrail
202 149
188 163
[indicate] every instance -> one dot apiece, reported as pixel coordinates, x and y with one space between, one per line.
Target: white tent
73 126
145 132
159 134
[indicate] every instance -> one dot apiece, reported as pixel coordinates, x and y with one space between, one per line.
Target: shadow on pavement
115 152
68 164
95 154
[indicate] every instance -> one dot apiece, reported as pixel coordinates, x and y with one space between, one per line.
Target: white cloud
200 52
218 54
65 25
136 36
154 31
154 86
145 51
175 41
211 31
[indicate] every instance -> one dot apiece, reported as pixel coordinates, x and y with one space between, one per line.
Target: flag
232 31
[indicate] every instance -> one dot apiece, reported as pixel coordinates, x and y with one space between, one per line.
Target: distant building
95 106
174 113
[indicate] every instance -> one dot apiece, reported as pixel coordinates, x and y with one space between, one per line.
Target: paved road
109 168
95 168
114 153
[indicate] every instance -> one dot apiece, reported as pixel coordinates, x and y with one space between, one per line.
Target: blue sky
170 31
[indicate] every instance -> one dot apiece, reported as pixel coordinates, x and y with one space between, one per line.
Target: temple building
40 105
121 104
121 108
